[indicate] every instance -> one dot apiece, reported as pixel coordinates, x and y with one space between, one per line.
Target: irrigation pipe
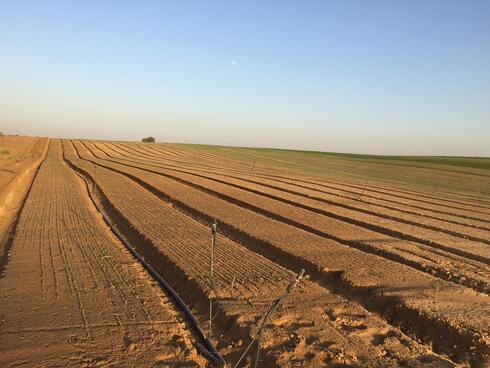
207 348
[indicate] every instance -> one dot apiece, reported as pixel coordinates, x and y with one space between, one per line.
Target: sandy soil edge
13 195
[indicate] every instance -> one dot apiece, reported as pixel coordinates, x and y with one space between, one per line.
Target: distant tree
148 140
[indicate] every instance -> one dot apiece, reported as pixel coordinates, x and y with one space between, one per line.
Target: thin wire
269 313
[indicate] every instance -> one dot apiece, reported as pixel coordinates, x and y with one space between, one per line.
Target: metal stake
211 276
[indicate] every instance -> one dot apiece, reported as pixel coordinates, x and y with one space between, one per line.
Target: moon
233 62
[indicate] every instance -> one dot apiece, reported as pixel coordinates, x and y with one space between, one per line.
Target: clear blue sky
405 77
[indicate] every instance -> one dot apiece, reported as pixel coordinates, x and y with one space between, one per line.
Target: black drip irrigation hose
206 347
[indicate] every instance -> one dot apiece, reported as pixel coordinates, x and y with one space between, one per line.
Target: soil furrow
87 279
166 239
356 171
395 190
239 180
363 193
372 246
387 293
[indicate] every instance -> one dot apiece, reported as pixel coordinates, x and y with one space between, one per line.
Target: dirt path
71 295
16 187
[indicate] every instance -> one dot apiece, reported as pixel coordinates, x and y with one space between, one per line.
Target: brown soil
397 275
17 170
248 283
381 240
71 295
464 265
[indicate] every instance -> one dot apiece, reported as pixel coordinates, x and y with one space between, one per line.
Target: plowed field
398 267
72 295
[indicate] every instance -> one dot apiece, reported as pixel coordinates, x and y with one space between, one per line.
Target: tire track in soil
383 304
